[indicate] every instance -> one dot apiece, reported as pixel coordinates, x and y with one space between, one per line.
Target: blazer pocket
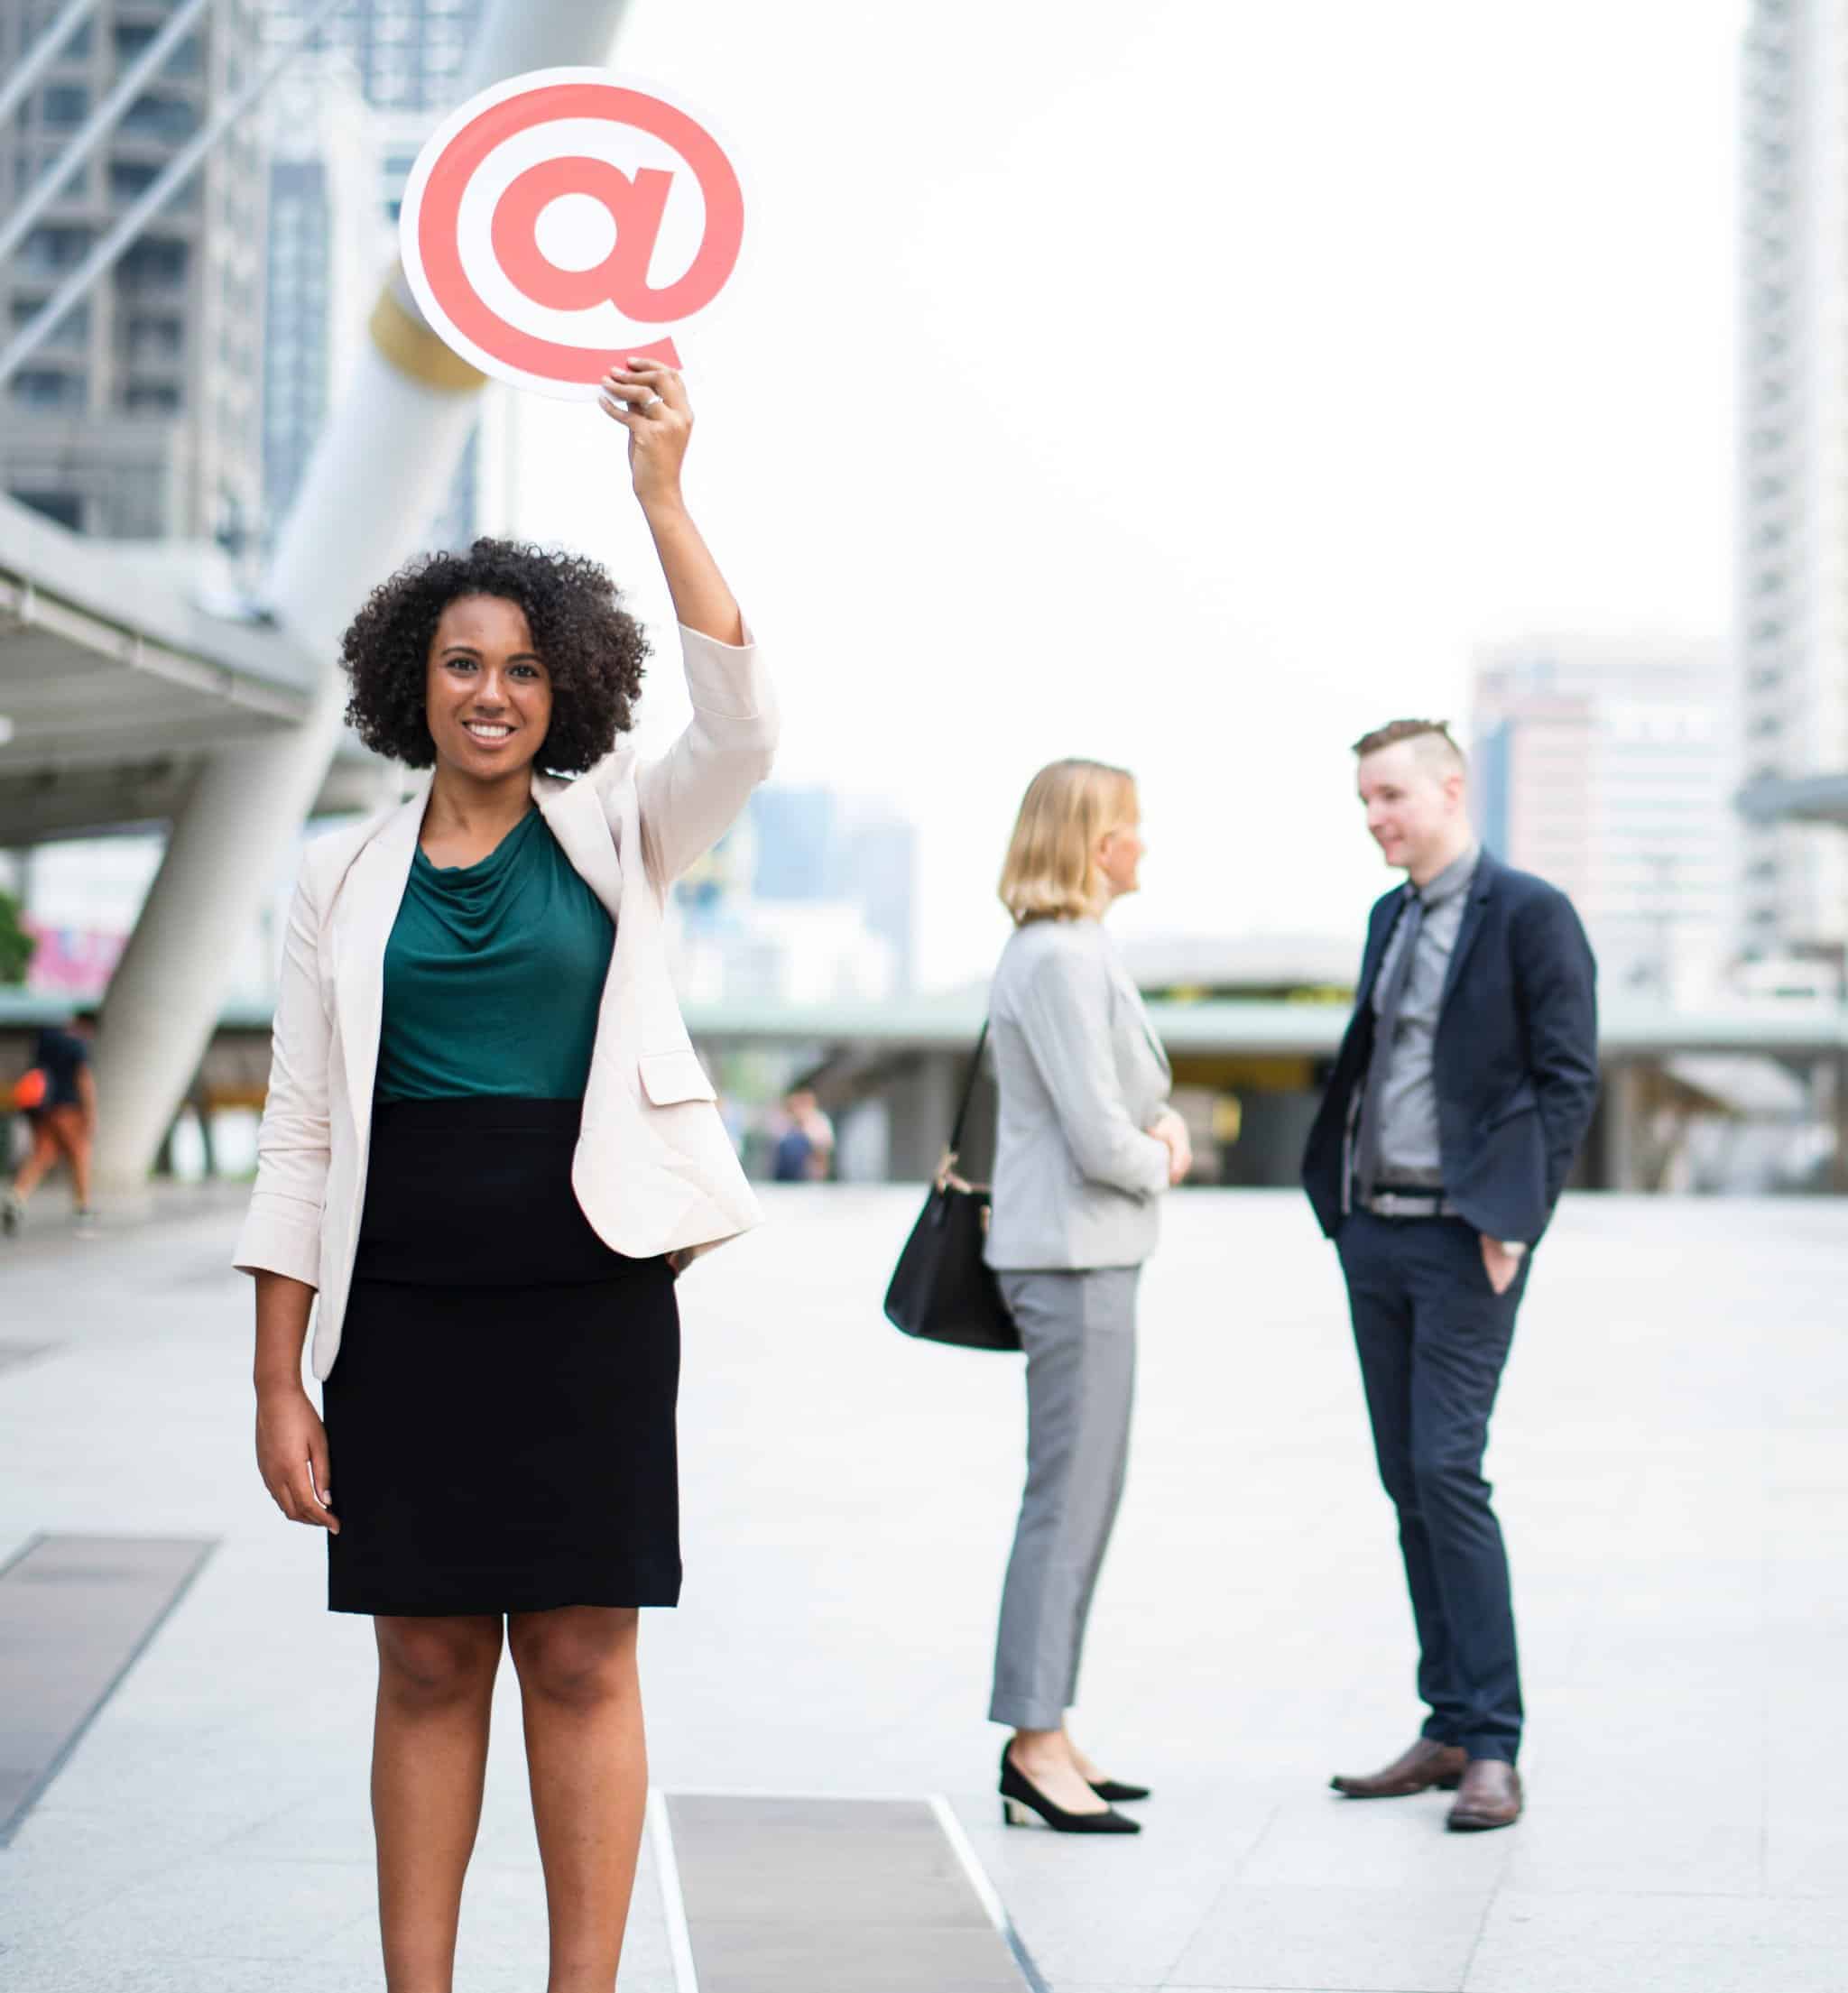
668 1078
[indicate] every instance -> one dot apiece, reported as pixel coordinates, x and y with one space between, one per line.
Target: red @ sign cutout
561 221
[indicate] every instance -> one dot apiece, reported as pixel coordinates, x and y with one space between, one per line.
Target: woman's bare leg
428 1762
588 1762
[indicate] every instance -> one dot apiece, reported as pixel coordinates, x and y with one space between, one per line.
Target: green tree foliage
16 944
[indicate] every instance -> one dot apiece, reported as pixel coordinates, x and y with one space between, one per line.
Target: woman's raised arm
650 400
693 794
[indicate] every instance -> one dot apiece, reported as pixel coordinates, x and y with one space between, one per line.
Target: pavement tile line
985 1890
52 1697
673 1904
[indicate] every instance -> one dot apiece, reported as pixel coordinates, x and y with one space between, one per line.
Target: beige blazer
654 1171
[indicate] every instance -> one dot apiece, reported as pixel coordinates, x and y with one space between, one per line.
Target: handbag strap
956 1134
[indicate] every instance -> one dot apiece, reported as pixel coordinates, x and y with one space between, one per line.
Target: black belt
1410 1200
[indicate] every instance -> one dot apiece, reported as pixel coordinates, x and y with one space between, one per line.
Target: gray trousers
1079 1332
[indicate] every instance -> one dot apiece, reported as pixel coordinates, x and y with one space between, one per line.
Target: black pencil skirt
500 1415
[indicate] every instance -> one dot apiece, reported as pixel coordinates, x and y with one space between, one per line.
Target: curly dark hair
592 647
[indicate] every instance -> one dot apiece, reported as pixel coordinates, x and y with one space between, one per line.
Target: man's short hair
1436 745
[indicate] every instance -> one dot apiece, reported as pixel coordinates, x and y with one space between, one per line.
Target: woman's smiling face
487 698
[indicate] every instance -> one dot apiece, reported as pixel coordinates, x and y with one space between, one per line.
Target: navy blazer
1516 1057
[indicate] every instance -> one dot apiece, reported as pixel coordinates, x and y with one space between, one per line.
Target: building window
55 248
173 118
63 508
72 331
152 398
155 338
64 105
129 180
133 37
153 261
47 388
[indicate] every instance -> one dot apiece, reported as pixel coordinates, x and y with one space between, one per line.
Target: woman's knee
579 1656
436 1664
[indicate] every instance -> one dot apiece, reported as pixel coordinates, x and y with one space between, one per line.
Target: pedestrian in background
1085 1144
804 1148
488 1149
60 1104
1462 1093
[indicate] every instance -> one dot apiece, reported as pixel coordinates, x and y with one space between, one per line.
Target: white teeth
487 733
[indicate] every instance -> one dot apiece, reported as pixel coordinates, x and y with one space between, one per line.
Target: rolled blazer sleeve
692 795
282 1230
1063 1016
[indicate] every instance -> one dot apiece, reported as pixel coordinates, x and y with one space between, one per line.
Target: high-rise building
808 898
408 62
329 250
1608 768
409 55
138 418
1793 464
813 844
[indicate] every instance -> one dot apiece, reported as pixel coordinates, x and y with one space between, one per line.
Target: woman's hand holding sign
649 399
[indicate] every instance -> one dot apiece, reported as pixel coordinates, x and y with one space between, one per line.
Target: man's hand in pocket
1501 1265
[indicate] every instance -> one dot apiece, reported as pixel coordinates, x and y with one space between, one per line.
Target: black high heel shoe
1116 1791
1018 1796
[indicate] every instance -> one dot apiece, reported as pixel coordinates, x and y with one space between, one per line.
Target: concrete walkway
1672 1473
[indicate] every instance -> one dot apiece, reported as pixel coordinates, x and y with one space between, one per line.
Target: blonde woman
1085 1145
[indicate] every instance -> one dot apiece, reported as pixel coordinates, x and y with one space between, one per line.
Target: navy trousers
1433 1336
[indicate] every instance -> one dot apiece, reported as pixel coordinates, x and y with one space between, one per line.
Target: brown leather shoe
1490 1797
1427 1764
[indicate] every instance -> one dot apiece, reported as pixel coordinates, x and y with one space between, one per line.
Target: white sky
1191 384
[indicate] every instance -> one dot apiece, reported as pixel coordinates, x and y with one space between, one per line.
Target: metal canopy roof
117 687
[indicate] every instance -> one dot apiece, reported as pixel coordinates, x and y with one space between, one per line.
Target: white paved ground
1672 1473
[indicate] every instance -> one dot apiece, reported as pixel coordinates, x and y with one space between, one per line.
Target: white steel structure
1793 466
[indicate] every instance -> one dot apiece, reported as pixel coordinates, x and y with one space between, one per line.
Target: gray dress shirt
1409 1148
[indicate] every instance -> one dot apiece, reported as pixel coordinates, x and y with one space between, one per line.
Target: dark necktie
1385 1029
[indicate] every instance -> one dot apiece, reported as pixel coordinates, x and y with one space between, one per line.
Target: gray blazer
1081 1075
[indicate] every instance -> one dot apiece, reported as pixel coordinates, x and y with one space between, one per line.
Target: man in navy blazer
1460 1098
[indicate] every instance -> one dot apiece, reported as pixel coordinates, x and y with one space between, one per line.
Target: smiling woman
494 624
488 1152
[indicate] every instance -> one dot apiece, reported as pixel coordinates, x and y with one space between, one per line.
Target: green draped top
494 975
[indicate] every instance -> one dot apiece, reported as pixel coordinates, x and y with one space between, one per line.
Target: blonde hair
1051 870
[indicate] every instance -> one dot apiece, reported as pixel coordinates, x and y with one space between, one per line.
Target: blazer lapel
374 891
1134 995
575 815
1385 920
1481 890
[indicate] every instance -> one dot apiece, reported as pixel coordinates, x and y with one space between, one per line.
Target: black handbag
942 1289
